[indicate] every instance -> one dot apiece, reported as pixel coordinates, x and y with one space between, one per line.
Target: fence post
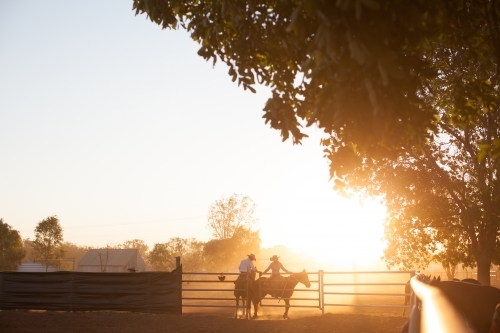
72 295
179 269
1 289
247 303
177 262
321 294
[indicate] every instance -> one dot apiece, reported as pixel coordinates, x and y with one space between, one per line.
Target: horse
475 302
240 291
474 281
284 289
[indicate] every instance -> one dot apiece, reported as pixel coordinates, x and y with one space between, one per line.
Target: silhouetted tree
73 253
11 248
393 84
227 215
48 241
225 254
162 256
137 244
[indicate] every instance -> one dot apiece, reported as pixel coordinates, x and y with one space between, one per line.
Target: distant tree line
231 220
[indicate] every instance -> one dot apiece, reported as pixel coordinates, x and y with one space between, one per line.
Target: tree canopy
353 68
406 92
227 215
11 248
137 244
162 256
226 254
48 240
231 220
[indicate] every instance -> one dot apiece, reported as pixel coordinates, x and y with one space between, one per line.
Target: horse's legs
237 306
287 306
245 307
255 308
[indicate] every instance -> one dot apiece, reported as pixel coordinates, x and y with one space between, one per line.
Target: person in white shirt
246 265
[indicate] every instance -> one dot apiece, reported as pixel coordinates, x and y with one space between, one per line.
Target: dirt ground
208 322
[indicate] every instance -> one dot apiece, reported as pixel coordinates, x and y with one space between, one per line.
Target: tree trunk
483 269
450 271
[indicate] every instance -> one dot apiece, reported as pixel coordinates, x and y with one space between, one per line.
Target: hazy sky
121 130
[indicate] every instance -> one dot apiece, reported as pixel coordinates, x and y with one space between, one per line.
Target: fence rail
330 293
324 292
437 314
329 289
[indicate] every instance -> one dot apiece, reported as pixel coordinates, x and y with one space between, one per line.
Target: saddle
272 284
242 278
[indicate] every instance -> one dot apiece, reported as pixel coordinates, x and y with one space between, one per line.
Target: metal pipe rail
320 288
364 284
369 305
292 306
213 290
183 289
209 281
208 273
364 294
437 314
323 292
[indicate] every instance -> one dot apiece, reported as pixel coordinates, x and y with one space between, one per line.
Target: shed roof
116 257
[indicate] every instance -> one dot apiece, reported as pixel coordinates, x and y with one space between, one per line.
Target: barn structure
112 261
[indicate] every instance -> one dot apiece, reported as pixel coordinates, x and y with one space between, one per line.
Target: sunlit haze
121 130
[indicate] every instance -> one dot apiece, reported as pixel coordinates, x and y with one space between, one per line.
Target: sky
121 130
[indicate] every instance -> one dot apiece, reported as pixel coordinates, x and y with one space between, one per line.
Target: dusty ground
122 322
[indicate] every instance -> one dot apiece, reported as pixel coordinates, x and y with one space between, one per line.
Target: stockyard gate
329 291
177 292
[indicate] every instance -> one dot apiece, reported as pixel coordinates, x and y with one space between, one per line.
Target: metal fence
210 301
327 290
103 291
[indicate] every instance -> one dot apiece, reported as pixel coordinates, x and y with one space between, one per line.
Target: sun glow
339 233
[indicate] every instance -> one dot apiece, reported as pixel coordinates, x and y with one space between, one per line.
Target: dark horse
475 302
240 291
284 289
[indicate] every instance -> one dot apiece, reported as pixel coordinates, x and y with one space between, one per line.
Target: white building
112 261
35 267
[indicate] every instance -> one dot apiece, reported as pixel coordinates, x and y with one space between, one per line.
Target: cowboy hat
252 256
274 257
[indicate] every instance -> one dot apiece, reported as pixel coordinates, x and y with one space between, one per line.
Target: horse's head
303 278
423 278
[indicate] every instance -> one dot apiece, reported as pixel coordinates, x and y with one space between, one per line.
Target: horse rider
275 266
246 265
